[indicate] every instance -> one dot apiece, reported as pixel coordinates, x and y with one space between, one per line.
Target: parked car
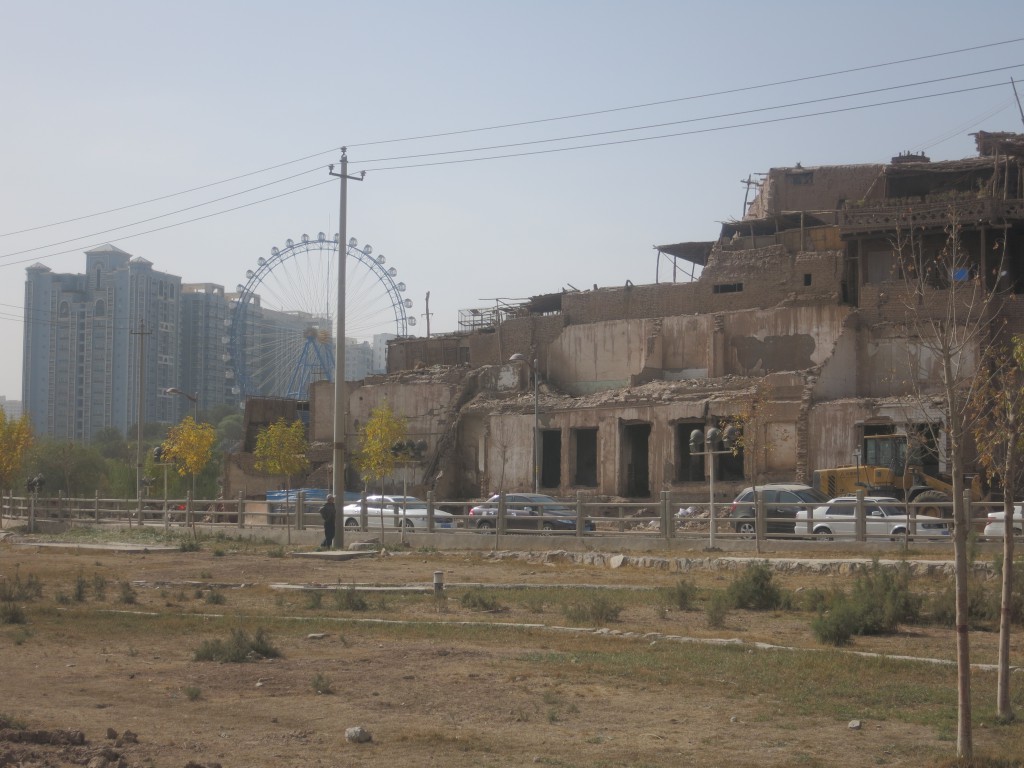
396 511
526 511
996 526
884 516
782 502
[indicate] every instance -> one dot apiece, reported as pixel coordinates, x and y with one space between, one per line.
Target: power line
709 94
553 150
522 123
715 129
692 119
508 146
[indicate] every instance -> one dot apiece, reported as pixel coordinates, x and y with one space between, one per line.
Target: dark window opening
727 288
551 458
689 468
801 179
636 480
807 279
585 454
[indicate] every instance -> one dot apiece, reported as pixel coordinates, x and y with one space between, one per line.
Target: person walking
327 512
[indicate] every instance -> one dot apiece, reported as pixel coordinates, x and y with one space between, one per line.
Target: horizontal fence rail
663 517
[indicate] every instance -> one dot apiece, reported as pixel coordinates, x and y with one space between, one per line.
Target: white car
884 516
396 512
996 526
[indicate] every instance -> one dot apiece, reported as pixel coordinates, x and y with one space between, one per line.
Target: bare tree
948 325
999 433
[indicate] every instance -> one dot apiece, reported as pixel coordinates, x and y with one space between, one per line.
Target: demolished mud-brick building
795 328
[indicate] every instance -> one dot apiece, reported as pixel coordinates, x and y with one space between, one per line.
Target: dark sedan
526 511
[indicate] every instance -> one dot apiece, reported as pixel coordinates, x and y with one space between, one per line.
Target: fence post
581 520
300 511
241 509
430 511
32 513
96 507
859 521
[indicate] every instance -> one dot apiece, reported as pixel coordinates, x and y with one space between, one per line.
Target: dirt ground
114 683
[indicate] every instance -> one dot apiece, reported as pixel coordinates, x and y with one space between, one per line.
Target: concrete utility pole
428 313
142 333
340 401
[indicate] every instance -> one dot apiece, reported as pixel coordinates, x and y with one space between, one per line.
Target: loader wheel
928 498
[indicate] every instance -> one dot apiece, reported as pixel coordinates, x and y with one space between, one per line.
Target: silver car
996 526
884 517
395 512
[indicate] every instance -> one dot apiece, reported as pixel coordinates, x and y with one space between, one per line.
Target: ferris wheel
282 324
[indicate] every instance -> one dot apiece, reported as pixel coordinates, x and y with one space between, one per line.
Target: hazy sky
110 104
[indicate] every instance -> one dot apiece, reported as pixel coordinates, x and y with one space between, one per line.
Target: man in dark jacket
327 512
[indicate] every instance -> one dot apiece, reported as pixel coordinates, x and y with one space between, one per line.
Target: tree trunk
961 528
1004 709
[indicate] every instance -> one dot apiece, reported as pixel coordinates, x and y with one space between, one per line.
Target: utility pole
142 333
340 400
428 313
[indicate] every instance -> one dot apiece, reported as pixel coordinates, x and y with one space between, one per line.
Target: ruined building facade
792 329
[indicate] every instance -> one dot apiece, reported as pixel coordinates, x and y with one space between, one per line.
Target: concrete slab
334 554
134 549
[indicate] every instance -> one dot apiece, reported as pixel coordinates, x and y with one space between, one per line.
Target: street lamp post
194 399
518 357
709 442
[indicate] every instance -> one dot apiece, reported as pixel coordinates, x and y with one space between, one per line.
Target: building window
807 279
727 288
584 447
550 458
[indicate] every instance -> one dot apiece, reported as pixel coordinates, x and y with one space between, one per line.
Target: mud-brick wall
407 354
527 336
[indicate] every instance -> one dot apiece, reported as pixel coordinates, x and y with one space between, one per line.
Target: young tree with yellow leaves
377 437
281 450
15 440
189 446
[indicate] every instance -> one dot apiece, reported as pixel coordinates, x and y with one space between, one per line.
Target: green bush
837 625
192 692
682 595
128 595
717 608
883 599
241 647
11 613
81 588
99 586
322 685
880 601
598 609
18 590
754 589
213 597
480 600
350 600
314 600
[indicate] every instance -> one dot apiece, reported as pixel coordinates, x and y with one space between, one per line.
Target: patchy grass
240 647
